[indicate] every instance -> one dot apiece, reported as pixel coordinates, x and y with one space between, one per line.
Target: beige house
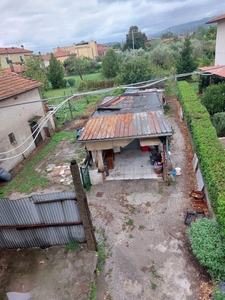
86 49
14 55
62 55
220 37
19 118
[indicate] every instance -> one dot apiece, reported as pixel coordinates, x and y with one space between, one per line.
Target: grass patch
93 293
154 272
28 179
130 222
141 227
194 86
131 236
153 286
68 90
72 246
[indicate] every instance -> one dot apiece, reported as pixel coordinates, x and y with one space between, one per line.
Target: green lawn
68 91
194 86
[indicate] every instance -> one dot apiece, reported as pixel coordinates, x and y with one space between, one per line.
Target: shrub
64 83
218 295
208 148
207 245
71 82
82 86
219 123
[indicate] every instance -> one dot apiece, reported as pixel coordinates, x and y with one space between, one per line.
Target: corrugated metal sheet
143 124
215 70
33 211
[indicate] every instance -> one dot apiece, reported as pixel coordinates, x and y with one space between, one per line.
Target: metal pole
83 207
133 38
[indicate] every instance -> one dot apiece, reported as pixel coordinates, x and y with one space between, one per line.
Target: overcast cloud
43 24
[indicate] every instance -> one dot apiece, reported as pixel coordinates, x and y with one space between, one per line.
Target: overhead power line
148 83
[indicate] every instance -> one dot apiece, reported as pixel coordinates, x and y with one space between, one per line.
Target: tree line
136 61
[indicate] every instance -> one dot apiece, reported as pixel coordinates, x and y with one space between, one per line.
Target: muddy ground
140 226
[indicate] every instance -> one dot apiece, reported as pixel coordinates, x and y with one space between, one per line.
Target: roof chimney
22 47
39 53
11 66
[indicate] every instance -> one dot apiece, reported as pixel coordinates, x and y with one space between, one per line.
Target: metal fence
40 221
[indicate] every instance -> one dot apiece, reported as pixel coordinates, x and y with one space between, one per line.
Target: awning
34 119
149 142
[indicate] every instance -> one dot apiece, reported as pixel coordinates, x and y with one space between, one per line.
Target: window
7 60
21 58
12 138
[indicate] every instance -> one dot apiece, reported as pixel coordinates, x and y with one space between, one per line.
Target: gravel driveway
141 225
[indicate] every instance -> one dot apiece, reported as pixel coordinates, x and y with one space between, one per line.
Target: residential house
85 49
62 55
13 55
21 113
220 37
132 121
102 49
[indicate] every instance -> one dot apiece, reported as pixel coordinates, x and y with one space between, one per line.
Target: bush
219 123
71 82
208 148
217 295
82 86
207 245
64 83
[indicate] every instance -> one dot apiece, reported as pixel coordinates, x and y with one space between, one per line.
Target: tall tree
186 62
55 73
135 39
37 70
110 64
135 67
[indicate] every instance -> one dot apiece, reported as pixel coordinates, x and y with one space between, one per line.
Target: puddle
18 296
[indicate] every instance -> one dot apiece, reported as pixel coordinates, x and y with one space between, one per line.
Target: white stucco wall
220 44
15 119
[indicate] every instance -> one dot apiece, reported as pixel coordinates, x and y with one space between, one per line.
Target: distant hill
183 28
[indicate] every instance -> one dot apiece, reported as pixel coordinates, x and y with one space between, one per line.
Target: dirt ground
149 256
140 226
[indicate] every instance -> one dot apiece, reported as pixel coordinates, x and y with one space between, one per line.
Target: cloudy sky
43 24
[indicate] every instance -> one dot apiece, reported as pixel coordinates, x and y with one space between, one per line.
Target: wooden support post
70 108
100 161
83 207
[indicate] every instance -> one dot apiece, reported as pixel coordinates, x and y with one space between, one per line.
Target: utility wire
41 125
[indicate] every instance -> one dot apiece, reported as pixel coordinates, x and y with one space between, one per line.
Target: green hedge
208 148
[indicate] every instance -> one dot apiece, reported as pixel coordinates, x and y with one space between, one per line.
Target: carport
120 132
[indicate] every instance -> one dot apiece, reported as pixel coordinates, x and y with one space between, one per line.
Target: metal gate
85 177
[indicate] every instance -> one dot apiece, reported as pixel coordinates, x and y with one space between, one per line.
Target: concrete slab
132 164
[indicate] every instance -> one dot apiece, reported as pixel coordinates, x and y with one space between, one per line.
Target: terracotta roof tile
14 84
216 19
14 50
17 69
215 70
62 53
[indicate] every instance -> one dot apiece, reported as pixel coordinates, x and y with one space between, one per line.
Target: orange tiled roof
14 50
17 69
14 84
62 53
216 19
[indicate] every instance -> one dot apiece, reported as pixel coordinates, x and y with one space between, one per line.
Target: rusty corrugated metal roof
144 124
215 70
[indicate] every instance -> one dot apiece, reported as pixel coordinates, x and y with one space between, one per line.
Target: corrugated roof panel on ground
26 212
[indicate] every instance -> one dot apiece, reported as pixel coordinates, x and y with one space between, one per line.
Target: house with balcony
13 56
